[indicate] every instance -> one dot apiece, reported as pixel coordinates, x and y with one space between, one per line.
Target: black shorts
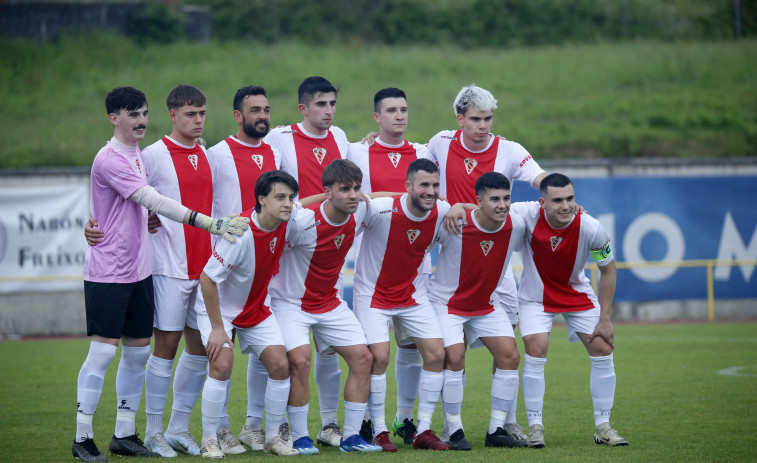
120 309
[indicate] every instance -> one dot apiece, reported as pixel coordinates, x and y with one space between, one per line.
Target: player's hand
365 198
230 226
370 138
501 137
453 218
605 331
153 223
217 340
200 141
580 209
91 233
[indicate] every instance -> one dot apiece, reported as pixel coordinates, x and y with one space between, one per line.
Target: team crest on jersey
555 241
395 158
470 164
272 246
258 159
486 246
412 235
193 160
320 153
338 240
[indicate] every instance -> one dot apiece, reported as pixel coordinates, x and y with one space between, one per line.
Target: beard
251 129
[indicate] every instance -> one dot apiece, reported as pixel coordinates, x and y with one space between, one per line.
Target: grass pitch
685 392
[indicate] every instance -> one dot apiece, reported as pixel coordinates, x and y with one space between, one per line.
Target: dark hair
182 95
313 86
491 181
554 180
421 164
341 171
389 92
244 92
128 98
265 183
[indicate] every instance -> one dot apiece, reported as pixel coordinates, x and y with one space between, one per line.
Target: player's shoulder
445 135
357 150
220 147
337 132
443 206
158 146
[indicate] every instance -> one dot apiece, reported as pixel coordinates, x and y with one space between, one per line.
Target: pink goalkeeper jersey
472 264
311 266
385 166
459 167
553 260
304 155
389 265
184 174
123 255
239 165
243 271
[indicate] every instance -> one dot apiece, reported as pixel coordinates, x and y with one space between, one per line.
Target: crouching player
471 265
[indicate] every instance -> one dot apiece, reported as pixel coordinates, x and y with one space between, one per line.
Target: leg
252 433
504 390
191 371
377 396
452 389
356 389
277 393
299 392
534 385
158 379
432 379
328 379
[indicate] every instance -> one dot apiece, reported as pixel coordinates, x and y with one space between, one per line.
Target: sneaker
428 440
183 442
457 441
356 444
304 445
157 443
501 438
211 449
86 450
277 446
535 436
366 430
130 446
383 441
330 435
604 434
515 430
254 439
228 443
285 434
406 430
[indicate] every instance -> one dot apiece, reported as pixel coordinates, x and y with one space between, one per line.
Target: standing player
389 284
560 242
471 266
234 287
306 149
305 296
118 268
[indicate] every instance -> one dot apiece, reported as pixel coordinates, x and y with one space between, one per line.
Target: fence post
710 292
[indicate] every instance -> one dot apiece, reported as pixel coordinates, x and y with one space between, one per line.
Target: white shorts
337 327
174 303
417 321
251 340
533 320
508 295
478 326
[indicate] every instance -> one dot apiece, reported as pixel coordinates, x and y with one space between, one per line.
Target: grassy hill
637 99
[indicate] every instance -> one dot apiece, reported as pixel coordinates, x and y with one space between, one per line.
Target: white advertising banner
42 245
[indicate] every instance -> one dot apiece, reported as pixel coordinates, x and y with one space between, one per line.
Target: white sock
428 395
157 382
328 378
353 417
533 387
257 378
512 412
276 396
298 421
223 421
602 386
504 391
130 383
452 399
376 400
89 386
407 372
213 396
187 386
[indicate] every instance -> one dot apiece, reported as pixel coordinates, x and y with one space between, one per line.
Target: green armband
601 254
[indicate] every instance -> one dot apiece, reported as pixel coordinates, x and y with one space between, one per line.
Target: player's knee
380 361
220 369
454 361
434 358
299 365
362 362
509 360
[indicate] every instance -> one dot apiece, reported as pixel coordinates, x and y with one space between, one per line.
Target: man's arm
455 215
217 339
607 278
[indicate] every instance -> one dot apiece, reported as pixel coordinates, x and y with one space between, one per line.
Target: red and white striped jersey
184 174
554 259
243 270
472 264
304 155
239 165
385 166
389 264
311 266
459 167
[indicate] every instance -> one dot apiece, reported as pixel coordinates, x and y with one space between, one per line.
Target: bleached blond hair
476 97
